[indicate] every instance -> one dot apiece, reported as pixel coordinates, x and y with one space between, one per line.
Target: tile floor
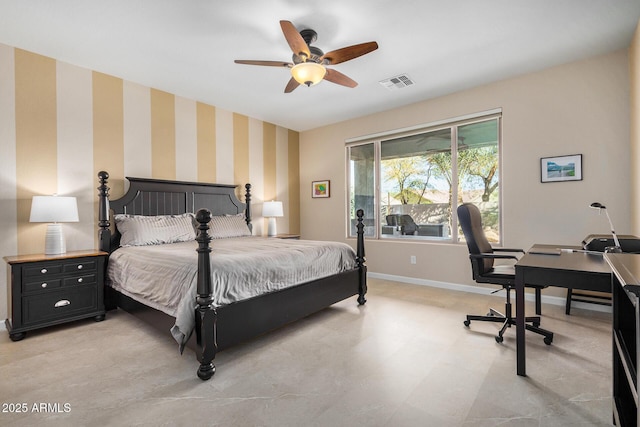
404 359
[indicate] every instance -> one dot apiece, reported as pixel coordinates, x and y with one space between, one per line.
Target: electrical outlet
413 259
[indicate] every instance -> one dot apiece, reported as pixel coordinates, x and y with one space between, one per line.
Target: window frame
453 124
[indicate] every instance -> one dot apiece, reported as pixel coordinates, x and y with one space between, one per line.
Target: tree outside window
424 177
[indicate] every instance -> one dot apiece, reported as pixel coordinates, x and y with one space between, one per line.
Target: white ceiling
187 47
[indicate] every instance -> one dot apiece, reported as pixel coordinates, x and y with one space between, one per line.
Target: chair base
531 324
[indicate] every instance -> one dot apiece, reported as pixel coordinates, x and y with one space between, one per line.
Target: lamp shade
308 73
272 209
54 209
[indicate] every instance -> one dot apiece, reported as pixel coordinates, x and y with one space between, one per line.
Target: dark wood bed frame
218 328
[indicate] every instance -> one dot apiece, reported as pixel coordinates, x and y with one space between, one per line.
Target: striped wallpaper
61 124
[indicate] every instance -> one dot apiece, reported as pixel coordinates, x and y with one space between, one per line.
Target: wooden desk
576 270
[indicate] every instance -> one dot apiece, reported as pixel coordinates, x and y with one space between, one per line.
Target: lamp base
54 241
272 231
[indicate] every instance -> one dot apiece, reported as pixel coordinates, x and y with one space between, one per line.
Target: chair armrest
508 250
492 256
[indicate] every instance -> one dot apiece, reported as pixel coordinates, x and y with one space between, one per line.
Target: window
409 184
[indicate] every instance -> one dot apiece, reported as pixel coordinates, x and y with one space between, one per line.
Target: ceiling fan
309 62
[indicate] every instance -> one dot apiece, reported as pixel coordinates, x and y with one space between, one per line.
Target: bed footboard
207 315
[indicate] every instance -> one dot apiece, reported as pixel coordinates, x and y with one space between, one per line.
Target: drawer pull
44 285
44 270
80 280
80 267
62 303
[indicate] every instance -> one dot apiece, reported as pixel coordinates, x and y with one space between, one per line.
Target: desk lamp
601 207
272 210
54 209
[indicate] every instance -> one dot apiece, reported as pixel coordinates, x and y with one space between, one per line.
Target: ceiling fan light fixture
308 73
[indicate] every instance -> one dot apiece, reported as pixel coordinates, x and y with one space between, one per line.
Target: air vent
397 82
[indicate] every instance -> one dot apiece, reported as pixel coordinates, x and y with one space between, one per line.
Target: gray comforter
164 276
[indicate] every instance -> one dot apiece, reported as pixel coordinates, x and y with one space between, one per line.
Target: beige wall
89 121
634 75
577 108
61 124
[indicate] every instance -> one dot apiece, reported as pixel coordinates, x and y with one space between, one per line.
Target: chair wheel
499 339
490 314
548 340
467 323
536 324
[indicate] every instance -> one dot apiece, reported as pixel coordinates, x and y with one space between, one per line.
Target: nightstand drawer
44 269
59 304
41 285
86 279
70 267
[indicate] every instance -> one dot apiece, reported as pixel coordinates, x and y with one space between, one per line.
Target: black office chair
482 257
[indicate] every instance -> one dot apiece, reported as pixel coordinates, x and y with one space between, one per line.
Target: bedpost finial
104 234
103 191
203 216
247 193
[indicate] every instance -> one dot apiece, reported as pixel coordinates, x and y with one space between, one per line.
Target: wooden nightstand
287 236
45 290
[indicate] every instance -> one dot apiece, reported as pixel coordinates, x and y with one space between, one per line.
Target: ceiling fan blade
264 63
338 78
350 52
293 83
295 40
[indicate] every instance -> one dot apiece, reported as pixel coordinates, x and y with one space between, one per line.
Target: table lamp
54 209
272 210
601 207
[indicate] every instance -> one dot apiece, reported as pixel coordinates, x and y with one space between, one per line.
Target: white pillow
223 226
138 230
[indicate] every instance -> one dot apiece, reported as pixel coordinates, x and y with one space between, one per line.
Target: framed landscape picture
320 189
561 168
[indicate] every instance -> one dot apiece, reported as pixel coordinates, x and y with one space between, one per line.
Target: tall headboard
152 197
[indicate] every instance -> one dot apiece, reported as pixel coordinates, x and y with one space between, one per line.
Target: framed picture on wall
320 189
561 168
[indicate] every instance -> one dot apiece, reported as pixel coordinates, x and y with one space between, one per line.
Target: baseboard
547 299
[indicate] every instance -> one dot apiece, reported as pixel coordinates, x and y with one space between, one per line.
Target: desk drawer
59 304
